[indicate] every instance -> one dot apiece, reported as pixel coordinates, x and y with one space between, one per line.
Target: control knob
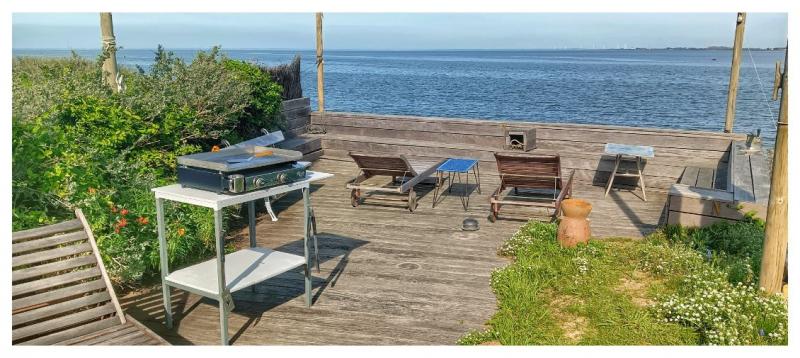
281 178
259 182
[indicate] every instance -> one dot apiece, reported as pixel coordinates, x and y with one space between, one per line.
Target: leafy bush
703 298
735 247
77 144
264 108
724 313
619 291
40 83
206 99
548 288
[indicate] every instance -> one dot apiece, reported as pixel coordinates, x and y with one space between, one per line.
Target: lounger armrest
418 177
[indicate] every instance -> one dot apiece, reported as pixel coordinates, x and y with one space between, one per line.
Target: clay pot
576 208
574 226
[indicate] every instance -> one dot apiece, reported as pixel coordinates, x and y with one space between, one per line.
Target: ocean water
680 89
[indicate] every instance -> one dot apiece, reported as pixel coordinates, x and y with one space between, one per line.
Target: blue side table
457 166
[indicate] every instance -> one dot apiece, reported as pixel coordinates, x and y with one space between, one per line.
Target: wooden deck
387 276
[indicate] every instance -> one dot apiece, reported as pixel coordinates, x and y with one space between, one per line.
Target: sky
398 31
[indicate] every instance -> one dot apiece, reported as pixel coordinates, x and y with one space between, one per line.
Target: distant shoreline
709 48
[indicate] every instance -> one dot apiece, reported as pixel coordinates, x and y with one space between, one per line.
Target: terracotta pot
576 208
574 226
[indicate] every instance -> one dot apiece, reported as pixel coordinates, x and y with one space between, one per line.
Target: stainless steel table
218 278
625 150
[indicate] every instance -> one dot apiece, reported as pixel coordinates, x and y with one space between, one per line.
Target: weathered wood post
109 48
320 67
730 114
776 237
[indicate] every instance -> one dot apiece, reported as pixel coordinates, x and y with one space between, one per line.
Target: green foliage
264 108
736 247
547 288
77 144
723 313
40 83
621 292
196 103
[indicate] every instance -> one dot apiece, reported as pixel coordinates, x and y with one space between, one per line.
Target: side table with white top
218 278
623 151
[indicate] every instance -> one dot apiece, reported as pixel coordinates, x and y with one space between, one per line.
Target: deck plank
387 276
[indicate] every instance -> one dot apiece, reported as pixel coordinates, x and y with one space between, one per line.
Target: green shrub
38 84
724 313
660 290
548 287
702 296
77 144
735 247
265 106
205 100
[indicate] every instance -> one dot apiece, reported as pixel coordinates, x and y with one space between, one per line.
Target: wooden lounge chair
540 174
61 294
398 167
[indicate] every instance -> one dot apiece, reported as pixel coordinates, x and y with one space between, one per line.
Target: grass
603 293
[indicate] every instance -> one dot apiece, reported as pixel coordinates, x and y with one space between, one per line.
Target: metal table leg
162 252
222 287
307 268
477 171
464 192
251 213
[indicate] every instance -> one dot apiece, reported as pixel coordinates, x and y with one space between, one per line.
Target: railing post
776 236
730 114
320 67
109 49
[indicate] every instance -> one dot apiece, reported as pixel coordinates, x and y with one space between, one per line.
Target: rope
763 94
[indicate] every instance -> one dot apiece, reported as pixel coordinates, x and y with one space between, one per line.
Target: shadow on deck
387 276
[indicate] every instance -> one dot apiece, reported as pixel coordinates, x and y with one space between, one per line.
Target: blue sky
399 31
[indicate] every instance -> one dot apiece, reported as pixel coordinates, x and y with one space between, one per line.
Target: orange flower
92 190
113 208
123 212
142 220
116 229
122 222
181 232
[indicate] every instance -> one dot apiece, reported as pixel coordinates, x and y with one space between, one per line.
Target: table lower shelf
243 269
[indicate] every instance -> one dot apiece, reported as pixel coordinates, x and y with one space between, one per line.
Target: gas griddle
243 167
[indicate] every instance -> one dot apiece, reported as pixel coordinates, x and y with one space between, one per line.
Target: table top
643 151
457 165
210 199
243 268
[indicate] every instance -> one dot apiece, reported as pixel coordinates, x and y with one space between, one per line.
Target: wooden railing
580 146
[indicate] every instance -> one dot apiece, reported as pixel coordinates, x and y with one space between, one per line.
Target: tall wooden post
730 114
109 51
320 67
776 237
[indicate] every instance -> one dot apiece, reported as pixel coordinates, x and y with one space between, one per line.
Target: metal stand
246 267
464 193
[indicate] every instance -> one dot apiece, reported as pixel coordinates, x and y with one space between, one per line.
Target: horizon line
713 47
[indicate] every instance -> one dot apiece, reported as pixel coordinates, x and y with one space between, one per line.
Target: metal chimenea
520 139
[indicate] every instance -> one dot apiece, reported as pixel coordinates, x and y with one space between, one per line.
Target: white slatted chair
61 294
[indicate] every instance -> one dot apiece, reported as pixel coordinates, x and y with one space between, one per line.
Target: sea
671 88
